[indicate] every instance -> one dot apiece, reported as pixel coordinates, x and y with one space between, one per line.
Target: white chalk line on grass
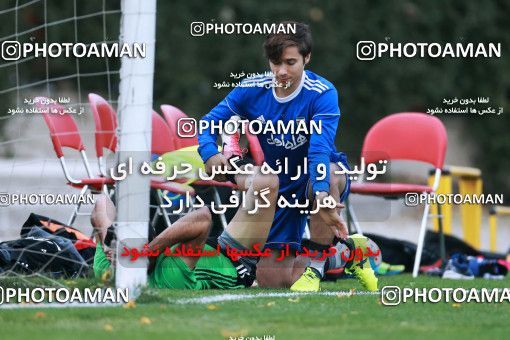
240 297
198 300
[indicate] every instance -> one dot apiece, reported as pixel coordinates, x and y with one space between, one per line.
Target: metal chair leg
421 240
77 207
217 201
162 210
442 244
352 216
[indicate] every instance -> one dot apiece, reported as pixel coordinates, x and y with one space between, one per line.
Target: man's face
290 67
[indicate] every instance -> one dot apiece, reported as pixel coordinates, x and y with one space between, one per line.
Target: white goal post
138 25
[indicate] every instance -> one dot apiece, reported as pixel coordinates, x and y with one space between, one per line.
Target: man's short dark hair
277 42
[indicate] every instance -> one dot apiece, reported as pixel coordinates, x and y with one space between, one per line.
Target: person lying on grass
206 272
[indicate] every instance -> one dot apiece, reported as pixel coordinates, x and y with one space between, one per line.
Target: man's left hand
331 216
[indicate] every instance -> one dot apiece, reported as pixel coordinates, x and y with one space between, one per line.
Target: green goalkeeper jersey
211 272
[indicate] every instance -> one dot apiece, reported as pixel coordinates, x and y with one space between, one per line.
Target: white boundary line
198 300
238 297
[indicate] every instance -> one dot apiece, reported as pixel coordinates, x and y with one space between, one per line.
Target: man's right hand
217 160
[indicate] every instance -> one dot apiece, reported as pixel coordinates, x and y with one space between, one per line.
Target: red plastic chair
64 133
172 115
405 136
105 119
162 140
